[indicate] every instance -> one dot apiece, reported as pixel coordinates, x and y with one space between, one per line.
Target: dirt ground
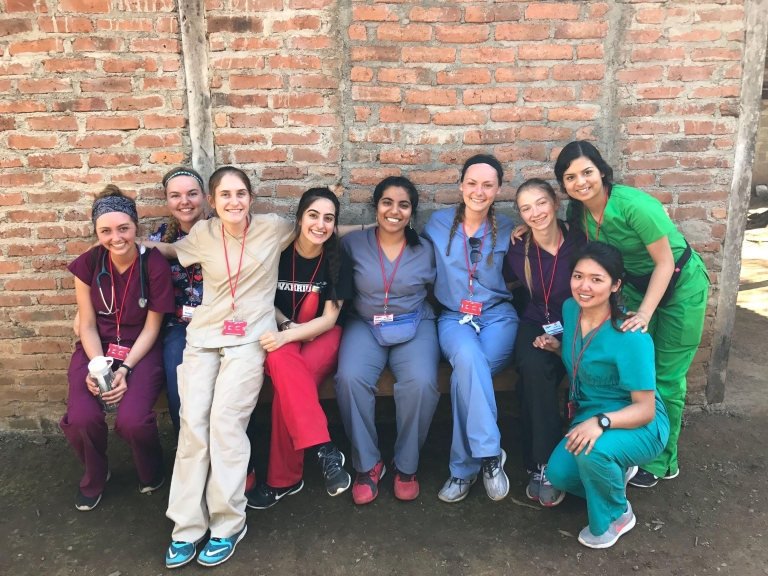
711 520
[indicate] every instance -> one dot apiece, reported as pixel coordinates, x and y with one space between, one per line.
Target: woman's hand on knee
93 387
272 340
548 343
583 435
119 388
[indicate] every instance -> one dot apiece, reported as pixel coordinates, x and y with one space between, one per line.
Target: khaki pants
218 388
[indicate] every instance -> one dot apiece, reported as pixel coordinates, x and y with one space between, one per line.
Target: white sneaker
495 480
455 489
617 528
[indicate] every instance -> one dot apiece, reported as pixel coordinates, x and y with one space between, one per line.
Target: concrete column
753 65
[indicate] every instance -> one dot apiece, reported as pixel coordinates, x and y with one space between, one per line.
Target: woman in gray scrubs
390 324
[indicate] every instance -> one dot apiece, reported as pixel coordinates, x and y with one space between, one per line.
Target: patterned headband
184 173
114 204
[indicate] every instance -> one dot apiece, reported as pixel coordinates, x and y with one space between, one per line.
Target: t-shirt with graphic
292 287
187 282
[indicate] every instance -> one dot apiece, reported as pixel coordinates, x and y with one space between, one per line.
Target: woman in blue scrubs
478 328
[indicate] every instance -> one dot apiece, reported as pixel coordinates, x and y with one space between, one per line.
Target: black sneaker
154 484
86 503
644 479
263 496
337 480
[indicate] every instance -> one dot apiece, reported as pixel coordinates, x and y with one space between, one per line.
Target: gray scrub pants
414 364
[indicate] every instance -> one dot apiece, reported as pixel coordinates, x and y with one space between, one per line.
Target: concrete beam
753 65
194 47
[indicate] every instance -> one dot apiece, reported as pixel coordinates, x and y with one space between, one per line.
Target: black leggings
540 375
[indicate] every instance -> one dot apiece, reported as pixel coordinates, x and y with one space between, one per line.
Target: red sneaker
366 486
250 481
406 485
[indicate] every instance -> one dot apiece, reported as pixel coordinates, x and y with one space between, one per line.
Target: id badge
187 312
471 307
381 318
553 329
572 409
234 328
118 352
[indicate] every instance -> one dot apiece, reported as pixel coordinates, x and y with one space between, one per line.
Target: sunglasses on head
475 256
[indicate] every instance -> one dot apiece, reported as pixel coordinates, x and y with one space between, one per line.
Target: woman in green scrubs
666 285
619 420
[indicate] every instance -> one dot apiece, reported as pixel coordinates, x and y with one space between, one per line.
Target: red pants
297 370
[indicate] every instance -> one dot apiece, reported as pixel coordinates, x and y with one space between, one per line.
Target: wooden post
753 65
195 58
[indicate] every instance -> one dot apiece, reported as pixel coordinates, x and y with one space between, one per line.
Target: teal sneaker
179 554
219 550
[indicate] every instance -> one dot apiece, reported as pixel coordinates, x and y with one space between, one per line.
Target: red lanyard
233 289
293 282
119 313
190 276
599 222
388 283
541 273
576 361
471 270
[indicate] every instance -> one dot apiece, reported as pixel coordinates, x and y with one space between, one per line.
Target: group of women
613 297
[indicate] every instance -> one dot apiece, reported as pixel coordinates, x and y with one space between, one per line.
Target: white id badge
379 318
187 312
553 329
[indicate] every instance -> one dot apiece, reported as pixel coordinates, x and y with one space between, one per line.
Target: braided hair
331 247
610 259
173 224
460 208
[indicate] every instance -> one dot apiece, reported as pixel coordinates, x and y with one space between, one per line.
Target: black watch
603 421
128 369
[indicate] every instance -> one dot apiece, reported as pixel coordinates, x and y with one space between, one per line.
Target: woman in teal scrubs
619 420
666 283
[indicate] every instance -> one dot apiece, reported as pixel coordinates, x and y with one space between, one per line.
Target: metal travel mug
100 369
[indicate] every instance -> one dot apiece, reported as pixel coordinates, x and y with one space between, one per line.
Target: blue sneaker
219 550
179 554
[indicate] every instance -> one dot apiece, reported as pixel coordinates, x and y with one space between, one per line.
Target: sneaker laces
460 481
402 476
372 474
543 475
491 466
330 461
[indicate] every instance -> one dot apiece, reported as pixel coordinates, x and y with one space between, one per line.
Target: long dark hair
609 259
411 237
459 217
544 186
331 248
581 149
172 227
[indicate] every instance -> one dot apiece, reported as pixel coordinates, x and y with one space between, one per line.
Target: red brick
643 36
261 156
428 54
95 141
80 105
310 100
242 101
374 53
255 82
598 10
405 157
371 176
7 124
21 106
640 180
723 143
715 55
316 81
372 14
56 161
487 55
531 74
698 35
310 42
556 11
85 6
476 137
247 63
103 160
255 43
66 196
581 30
236 24
715 92
685 179
9 267
157 121
578 72
24 284
687 109
283 173
638 110
650 16
15 26
112 65
640 75
8 300
376 93
297 119
146 5
522 32
423 177
164 83
295 62
660 92
133 25
459 118
431 98
642 145
357 32
514 153
658 163
448 14
133 103
404 75
720 15
13 199
707 127
649 127
263 120
92 44
409 33
516 114
15 68
690 73
590 52
489 96
465 76
257 5
544 134
154 45
44 86
106 85
733 72
404 115
25 6
36 46
69 65
686 145
560 93
463 33
111 123
492 13
21 142
544 52
315 156
571 113
296 23
663 53
66 24
20 179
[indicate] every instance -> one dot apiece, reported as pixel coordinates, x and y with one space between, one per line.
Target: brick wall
340 93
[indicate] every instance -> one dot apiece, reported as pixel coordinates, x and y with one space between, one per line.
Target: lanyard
599 222
388 283
119 313
293 282
576 361
190 275
233 289
541 273
471 270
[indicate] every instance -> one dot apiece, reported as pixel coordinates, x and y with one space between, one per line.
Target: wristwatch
603 421
128 369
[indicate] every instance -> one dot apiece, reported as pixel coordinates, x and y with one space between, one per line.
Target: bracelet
128 369
283 324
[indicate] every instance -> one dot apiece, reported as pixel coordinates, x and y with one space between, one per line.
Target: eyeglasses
475 255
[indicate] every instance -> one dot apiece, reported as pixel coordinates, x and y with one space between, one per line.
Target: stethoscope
110 308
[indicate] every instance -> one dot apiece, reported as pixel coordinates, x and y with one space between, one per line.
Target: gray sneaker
534 484
455 489
495 480
549 496
628 475
617 528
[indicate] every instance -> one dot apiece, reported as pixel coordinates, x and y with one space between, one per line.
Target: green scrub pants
676 331
599 475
